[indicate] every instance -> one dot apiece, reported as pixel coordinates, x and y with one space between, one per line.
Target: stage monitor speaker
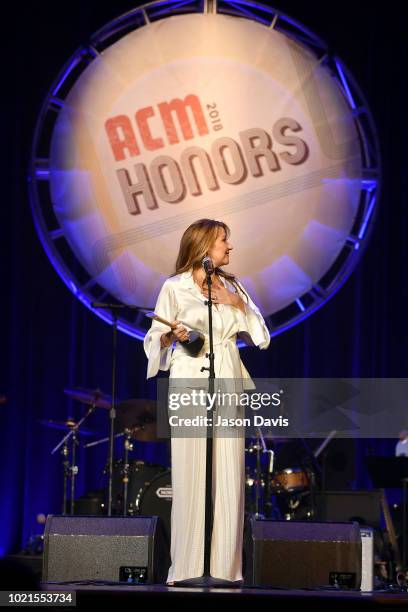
364 507
295 554
114 549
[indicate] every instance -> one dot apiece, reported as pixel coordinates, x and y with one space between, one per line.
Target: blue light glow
249 14
367 217
72 64
299 303
246 9
58 233
345 84
263 7
42 175
176 5
369 185
57 102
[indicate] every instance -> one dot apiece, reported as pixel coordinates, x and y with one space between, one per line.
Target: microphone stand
206 580
112 413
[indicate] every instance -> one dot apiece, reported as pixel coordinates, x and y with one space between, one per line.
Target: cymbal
138 416
66 425
93 397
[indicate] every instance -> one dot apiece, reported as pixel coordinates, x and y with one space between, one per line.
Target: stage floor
182 598
91 593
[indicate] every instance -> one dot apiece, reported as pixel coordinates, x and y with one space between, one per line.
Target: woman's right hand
180 332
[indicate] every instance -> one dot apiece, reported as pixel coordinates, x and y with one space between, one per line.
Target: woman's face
219 252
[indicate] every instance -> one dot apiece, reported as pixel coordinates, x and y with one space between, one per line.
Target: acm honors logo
228 160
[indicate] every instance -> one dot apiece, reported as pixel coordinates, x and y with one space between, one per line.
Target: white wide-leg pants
188 516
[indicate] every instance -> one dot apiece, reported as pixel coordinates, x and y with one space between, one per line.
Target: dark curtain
50 341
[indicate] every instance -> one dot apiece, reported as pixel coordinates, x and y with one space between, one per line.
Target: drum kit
281 494
140 488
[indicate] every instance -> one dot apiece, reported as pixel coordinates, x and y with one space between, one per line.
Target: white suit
180 298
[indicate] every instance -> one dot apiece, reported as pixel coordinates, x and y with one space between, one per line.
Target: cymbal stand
268 482
71 471
65 453
261 449
128 446
258 476
102 440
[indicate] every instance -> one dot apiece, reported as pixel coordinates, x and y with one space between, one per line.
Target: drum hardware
268 506
128 446
102 440
70 468
137 417
70 473
294 486
95 398
140 476
294 489
260 481
135 420
286 493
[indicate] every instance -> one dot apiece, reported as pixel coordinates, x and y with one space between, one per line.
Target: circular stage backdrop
185 116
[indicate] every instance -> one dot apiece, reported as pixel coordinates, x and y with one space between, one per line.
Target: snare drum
291 480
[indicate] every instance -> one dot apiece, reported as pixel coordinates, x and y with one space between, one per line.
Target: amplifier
114 549
297 554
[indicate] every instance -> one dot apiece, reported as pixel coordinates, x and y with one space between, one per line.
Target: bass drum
154 499
140 474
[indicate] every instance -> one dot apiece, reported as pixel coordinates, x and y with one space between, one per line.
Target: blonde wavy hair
195 243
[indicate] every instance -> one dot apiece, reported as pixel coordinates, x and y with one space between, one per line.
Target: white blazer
180 299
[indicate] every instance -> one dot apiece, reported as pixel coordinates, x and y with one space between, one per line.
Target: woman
182 302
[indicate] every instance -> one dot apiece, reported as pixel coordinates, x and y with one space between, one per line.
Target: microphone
208 265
